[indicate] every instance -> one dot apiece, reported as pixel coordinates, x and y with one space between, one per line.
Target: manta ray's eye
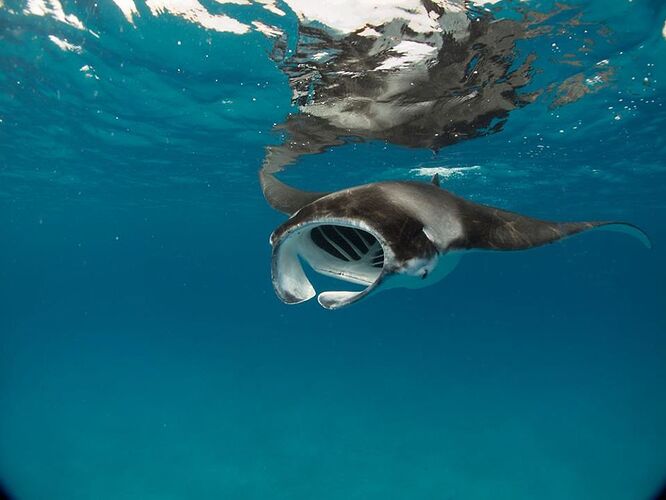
348 244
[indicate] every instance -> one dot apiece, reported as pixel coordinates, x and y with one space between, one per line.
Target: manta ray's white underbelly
439 267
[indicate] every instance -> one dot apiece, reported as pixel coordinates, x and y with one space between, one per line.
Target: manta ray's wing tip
630 229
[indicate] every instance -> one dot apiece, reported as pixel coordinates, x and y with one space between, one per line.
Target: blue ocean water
144 354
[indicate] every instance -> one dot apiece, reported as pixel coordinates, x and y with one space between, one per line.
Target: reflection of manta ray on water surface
417 73
428 77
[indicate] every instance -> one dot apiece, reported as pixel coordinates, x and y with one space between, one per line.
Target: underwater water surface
143 351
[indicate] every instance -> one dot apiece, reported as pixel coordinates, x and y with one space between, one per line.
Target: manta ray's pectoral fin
435 180
282 197
494 229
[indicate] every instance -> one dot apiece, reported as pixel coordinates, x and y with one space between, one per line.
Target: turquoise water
144 354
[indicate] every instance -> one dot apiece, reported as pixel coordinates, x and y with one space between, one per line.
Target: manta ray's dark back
483 227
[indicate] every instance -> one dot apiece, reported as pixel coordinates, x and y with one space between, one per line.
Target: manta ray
393 234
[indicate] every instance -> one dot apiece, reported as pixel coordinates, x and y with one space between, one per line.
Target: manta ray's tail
494 229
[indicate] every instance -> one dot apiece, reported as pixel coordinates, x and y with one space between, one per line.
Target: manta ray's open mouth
348 244
339 250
